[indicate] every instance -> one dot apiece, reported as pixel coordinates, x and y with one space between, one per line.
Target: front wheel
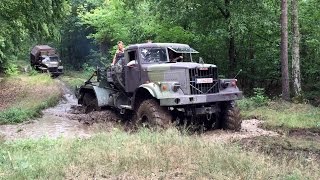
152 115
90 102
230 116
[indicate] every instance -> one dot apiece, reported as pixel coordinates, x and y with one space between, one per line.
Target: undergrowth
26 96
278 114
76 78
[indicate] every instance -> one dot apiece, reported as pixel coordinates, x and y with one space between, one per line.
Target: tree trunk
284 50
232 52
296 50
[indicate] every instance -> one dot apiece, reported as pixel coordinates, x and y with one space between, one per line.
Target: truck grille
201 82
53 69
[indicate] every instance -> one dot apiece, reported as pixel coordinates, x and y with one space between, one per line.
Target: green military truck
44 58
162 82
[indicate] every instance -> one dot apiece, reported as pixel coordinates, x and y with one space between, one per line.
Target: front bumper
56 71
201 99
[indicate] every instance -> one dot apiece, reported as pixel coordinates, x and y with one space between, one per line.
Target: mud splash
56 122
249 128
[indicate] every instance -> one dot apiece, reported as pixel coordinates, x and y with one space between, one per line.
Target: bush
11 69
259 99
245 104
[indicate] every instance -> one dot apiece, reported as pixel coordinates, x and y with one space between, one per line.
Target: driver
175 57
119 53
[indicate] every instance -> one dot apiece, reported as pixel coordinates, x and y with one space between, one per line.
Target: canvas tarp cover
36 51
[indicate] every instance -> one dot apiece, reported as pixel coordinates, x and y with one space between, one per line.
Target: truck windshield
54 58
153 55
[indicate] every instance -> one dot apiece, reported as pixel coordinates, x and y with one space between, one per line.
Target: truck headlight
169 86
228 83
164 87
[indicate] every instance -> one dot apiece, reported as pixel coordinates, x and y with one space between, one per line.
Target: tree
24 23
284 50
296 50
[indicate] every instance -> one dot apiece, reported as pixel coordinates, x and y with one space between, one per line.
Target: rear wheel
152 115
230 116
90 102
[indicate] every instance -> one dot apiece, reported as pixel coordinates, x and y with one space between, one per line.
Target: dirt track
63 121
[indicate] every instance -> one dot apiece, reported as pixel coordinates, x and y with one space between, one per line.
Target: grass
25 96
280 114
143 155
75 78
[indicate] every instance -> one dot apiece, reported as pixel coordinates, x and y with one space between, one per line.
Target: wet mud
64 120
249 128
295 144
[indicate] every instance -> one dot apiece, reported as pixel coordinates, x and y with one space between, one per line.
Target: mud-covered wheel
230 116
152 115
90 102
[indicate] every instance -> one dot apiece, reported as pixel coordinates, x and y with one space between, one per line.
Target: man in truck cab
175 57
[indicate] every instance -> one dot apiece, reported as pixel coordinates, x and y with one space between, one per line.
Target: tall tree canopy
233 34
26 21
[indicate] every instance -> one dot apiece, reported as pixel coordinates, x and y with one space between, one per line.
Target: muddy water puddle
55 122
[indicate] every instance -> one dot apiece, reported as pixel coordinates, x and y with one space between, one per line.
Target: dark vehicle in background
161 83
44 58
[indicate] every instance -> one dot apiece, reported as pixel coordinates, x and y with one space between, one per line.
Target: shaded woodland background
233 34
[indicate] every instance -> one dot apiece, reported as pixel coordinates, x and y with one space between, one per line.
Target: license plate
204 80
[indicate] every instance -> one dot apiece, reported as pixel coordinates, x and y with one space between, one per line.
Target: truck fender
153 89
102 95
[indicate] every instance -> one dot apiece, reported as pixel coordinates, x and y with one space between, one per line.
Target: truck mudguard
102 95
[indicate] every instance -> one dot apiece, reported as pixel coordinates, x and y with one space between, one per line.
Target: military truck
44 58
162 82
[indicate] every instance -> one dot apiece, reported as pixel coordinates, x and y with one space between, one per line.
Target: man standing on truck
119 53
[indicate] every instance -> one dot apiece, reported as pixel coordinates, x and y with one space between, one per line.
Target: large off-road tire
230 116
152 115
90 102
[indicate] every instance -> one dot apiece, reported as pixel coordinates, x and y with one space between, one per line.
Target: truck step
126 107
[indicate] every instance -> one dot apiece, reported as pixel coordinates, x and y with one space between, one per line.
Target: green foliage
33 72
24 23
87 69
208 27
14 115
87 32
259 98
245 104
30 95
11 69
18 114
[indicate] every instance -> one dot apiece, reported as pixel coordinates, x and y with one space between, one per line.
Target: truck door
132 71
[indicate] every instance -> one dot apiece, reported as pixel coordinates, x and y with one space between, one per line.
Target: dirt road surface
60 121
55 122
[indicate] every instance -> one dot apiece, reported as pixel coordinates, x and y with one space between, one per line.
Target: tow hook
208 113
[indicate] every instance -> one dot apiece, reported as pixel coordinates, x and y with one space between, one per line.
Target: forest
235 35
